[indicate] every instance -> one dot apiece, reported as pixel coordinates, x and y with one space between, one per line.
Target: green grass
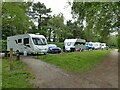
76 61
18 77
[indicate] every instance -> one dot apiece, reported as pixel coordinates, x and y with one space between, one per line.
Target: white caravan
74 43
96 45
30 43
103 45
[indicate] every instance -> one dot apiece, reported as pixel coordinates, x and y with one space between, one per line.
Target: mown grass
76 61
18 77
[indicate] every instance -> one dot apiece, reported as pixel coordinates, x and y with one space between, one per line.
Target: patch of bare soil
105 75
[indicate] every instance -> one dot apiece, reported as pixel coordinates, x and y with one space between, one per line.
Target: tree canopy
14 18
102 18
92 21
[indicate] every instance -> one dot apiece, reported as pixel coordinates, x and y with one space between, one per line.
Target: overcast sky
58 6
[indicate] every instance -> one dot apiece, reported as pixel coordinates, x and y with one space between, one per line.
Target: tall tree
40 14
57 27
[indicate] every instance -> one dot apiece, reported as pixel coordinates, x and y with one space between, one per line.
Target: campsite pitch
76 61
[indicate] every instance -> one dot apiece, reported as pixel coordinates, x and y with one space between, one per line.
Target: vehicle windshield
79 43
44 41
52 46
90 44
39 41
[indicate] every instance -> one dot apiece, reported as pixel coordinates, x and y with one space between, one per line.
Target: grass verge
76 61
18 77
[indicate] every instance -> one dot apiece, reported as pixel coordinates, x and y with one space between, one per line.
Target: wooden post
11 57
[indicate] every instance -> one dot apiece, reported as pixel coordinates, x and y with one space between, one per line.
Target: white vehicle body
31 43
103 45
96 45
70 43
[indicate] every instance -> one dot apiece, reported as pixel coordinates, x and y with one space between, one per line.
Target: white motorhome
74 43
30 43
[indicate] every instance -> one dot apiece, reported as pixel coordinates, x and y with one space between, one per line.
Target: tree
57 27
74 30
40 14
14 18
101 18
112 41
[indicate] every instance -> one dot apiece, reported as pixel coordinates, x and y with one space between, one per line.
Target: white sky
58 6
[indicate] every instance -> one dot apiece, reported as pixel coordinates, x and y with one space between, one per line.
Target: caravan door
27 46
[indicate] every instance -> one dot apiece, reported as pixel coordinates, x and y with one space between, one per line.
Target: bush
3 45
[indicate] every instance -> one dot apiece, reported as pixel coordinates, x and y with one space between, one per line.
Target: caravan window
19 40
26 41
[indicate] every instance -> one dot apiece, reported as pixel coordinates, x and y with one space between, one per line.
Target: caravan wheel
17 51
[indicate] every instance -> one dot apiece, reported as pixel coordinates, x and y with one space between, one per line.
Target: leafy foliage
40 14
118 42
14 18
112 41
101 19
57 27
3 44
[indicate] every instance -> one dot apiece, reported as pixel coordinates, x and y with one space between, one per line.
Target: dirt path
104 75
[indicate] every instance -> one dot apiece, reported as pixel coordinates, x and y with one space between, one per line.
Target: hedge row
59 44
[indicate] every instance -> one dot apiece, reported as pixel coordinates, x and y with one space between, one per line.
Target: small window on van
26 41
19 40
69 43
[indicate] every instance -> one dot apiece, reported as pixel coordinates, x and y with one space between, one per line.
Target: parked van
30 43
74 44
89 45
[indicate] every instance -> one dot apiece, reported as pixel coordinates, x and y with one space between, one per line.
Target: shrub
59 44
3 45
